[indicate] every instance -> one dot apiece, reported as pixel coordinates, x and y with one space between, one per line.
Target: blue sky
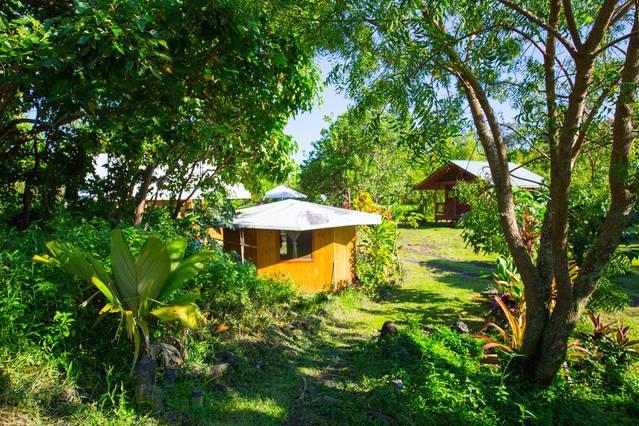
306 128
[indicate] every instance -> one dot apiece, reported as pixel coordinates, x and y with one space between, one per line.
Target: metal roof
519 176
295 215
282 193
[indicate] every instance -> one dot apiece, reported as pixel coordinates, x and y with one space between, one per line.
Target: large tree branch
570 20
623 199
540 22
599 28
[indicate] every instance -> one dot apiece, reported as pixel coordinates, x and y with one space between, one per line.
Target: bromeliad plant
137 289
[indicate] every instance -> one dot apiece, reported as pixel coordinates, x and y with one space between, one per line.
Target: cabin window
296 245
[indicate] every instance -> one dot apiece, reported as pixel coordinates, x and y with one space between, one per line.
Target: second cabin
447 206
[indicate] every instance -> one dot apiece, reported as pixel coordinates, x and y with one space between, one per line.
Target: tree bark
142 194
571 300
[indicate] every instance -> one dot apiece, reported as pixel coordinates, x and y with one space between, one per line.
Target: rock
218 370
461 327
226 356
398 383
388 329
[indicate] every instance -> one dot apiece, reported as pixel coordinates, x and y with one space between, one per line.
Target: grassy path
306 376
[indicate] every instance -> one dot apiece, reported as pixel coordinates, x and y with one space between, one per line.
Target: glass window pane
296 245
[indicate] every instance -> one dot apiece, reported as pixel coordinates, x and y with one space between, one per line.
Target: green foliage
377 258
481 228
52 349
361 152
164 86
232 294
136 289
608 354
444 382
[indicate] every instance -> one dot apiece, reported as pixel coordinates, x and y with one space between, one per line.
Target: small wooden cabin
447 207
312 244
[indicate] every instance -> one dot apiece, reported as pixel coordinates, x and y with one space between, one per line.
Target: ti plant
137 289
511 341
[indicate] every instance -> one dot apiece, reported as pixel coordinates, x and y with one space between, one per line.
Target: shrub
377 258
232 294
443 382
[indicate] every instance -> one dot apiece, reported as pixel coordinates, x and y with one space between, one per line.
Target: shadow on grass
473 269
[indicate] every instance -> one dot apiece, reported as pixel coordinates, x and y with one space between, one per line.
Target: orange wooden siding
332 265
232 242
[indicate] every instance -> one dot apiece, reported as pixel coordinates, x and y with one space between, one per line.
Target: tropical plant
512 339
378 265
137 289
508 287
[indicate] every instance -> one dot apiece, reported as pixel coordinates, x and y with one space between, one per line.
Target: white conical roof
295 215
283 193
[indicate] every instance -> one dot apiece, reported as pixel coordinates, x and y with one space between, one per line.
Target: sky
306 127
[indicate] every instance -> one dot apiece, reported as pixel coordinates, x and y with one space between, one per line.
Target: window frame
299 259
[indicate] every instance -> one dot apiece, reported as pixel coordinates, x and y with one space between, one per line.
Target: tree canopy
160 86
569 70
361 152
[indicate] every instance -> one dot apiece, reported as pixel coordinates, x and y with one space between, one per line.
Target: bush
443 382
232 294
377 258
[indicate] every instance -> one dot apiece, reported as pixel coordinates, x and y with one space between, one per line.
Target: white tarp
283 193
237 192
519 176
295 215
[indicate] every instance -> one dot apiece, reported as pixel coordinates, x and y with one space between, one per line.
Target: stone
398 383
388 329
216 371
226 356
461 327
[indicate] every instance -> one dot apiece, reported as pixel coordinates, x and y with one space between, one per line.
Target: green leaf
186 271
116 30
106 290
186 315
123 267
176 249
152 269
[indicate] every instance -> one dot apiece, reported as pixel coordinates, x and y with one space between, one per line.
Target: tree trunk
142 194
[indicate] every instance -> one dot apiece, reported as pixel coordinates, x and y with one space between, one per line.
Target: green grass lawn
306 377
306 373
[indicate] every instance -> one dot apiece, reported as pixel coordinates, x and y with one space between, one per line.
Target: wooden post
242 244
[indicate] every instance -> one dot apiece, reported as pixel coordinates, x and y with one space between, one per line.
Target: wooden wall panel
308 275
232 242
331 268
344 249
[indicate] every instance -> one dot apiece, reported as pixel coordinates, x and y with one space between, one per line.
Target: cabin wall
332 262
232 242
